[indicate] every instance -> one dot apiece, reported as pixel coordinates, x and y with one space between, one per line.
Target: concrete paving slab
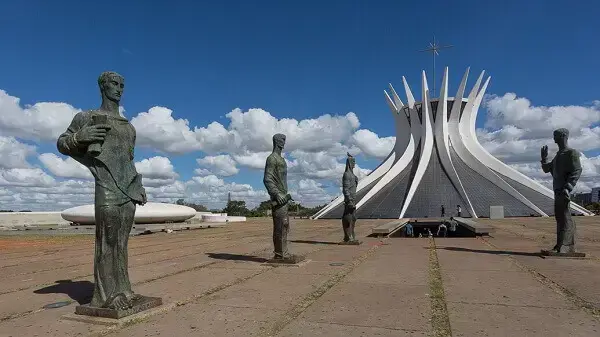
476 258
339 253
204 320
312 329
468 320
380 305
269 291
500 287
402 261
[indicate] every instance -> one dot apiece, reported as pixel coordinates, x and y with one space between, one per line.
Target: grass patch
440 322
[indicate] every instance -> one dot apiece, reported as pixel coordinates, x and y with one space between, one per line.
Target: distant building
595 194
583 198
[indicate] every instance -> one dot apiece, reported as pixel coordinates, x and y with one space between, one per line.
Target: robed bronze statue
104 142
275 180
566 170
349 183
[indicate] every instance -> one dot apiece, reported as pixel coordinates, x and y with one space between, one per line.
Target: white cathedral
437 160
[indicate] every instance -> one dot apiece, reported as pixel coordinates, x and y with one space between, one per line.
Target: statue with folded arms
275 180
104 142
565 168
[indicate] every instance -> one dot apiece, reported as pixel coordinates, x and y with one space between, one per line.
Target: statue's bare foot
566 249
131 296
120 302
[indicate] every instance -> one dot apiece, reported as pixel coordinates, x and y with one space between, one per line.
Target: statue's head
111 85
561 136
350 162
279 141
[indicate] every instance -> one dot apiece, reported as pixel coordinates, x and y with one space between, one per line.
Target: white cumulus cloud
42 121
221 165
67 167
13 154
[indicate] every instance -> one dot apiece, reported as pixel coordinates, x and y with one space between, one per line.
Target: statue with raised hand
566 169
275 180
104 142
349 183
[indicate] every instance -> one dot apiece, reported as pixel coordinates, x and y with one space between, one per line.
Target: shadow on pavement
493 252
236 257
310 242
80 291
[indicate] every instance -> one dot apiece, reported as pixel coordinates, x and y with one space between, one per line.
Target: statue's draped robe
349 183
275 180
566 170
118 188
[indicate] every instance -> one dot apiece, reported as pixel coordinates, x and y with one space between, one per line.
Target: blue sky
297 59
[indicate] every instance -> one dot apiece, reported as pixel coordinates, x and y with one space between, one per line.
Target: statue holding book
104 142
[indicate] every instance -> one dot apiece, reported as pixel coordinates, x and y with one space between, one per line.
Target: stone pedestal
552 254
141 304
350 243
291 261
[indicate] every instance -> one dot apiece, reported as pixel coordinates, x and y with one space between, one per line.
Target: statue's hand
92 133
566 193
281 199
544 152
144 198
351 204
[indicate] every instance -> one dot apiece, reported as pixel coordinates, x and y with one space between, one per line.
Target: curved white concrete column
426 144
402 138
409 96
403 150
494 163
378 172
442 136
465 147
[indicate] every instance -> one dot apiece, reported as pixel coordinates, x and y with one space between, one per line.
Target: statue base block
293 260
141 304
552 254
350 243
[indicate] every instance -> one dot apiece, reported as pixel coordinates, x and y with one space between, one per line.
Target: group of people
458 211
443 228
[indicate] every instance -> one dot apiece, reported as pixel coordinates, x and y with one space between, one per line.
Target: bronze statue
104 141
275 180
349 183
565 169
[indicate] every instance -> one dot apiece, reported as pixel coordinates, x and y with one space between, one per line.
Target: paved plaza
214 283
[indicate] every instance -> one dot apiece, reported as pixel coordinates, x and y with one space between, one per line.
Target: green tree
197 207
236 208
594 207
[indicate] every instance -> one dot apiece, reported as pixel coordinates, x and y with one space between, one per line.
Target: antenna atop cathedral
434 49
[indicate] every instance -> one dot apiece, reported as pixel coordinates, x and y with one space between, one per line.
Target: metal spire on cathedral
434 49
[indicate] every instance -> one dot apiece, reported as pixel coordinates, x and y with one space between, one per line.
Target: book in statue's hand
94 149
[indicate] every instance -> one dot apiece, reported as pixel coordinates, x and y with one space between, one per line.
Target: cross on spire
434 49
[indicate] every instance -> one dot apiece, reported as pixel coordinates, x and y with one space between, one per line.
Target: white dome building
150 213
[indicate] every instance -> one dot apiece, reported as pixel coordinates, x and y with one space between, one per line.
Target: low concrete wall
20 219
